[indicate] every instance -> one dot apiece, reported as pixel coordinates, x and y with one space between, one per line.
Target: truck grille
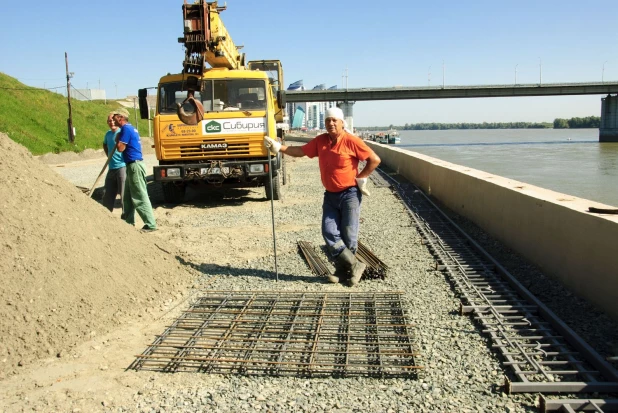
193 148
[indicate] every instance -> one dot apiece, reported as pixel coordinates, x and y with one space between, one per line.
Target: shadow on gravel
215 269
205 197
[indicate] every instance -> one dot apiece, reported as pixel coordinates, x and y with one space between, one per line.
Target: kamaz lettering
213 146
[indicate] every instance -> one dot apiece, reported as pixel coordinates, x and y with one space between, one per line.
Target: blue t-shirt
129 136
110 140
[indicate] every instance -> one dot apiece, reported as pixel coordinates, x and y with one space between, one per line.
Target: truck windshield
216 95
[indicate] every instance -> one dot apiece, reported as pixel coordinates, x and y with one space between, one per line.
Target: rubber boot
341 272
355 267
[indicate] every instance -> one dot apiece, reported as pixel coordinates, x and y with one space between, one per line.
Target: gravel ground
460 371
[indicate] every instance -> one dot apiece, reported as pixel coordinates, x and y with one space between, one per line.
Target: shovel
109 157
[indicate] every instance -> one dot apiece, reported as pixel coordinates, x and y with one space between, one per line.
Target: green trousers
136 196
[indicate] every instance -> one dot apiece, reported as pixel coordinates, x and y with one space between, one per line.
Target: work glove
272 145
362 186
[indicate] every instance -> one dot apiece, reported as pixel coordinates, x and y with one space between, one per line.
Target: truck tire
276 188
172 193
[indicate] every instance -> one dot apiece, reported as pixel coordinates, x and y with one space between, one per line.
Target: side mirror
281 99
142 94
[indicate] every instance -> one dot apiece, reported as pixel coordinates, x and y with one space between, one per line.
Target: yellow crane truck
210 122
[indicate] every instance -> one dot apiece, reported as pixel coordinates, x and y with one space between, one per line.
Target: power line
33 88
77 90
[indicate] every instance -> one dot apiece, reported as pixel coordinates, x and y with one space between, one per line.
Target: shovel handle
109 157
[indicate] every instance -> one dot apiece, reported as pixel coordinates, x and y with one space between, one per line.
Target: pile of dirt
70 269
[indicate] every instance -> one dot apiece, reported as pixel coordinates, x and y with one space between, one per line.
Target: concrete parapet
550 229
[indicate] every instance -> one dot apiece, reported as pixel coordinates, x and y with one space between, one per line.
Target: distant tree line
484 125
588 122
573 123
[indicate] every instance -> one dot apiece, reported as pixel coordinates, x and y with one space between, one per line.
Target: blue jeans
340 220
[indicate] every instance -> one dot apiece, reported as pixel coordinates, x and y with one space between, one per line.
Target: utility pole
135 110
516 73
70 119
603 72
443 74
429 76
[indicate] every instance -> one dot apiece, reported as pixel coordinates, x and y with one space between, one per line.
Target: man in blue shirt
135 192
117 172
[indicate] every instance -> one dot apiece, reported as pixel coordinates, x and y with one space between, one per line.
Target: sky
122 46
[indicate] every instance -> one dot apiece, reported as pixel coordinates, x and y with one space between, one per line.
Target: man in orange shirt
338 153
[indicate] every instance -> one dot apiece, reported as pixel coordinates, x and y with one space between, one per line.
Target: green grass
37 118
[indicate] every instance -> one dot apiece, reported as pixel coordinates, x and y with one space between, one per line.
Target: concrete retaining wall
551 229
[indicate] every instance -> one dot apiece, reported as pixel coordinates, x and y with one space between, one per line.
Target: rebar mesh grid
299 334
542 353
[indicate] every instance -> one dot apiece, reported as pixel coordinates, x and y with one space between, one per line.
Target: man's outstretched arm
275 147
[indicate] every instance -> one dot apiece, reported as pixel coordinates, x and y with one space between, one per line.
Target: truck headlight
173 172
256 168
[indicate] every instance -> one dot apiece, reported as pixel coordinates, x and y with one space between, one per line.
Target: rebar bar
315 262
376 269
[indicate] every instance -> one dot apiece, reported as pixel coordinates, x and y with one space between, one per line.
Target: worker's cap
334 113
122 112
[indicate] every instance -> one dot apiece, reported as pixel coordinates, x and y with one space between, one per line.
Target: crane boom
207 40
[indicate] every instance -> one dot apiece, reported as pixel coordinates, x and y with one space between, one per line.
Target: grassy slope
37 118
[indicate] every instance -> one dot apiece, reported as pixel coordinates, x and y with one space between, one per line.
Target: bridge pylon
348 113
608 130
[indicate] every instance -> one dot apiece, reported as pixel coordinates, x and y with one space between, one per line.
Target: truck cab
226 147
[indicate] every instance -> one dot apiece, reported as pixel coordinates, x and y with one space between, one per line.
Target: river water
571 161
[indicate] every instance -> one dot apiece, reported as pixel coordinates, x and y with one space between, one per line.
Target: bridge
347 97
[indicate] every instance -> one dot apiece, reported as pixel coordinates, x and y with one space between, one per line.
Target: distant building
297 111
298 121
308 115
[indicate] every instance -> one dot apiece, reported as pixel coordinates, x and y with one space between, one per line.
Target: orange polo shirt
338 163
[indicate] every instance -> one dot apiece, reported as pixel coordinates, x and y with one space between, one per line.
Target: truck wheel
172 193
276 188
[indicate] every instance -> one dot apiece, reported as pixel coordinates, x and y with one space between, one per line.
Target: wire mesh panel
287 334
